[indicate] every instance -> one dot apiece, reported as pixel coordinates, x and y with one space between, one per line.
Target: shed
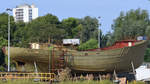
71 41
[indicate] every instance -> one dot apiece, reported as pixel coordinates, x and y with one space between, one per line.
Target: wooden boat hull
108 60
26 57
85 61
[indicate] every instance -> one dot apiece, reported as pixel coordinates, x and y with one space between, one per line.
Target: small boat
119 57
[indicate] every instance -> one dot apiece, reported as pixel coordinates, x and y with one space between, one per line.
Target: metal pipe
8 9
99 42
8 42
134 72
35 66
99 39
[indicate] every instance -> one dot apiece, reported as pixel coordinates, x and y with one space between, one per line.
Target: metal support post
133 69
8 9
36 71
115 75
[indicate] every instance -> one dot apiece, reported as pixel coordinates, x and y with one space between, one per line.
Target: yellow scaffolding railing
16 75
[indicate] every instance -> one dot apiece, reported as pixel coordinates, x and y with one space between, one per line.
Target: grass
64 82
21 82
87 82
136 82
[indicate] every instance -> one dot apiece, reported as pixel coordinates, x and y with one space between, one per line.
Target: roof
71 41
25 5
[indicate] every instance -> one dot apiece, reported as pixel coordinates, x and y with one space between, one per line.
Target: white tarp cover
71 41
142 72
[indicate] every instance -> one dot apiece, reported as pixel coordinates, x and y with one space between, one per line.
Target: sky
108 10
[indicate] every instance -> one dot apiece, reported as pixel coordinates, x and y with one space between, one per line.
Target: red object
118 44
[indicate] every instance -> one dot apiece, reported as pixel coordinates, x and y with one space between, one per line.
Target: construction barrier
15 75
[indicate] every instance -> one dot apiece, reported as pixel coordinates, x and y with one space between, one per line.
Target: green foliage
103 39
4 26
110 39
70 25
20 35
77 32
2 57
85 28
64 82
137 82
90 28
21 82
3 42
43 28
147 32
147 55
130 25
2 68
91 44
87 82
48 28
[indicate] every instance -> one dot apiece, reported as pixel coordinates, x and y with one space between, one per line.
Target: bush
90 44
147 55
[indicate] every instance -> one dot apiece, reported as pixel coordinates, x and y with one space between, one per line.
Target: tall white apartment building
25 13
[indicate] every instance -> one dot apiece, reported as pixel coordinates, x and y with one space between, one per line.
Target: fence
15 75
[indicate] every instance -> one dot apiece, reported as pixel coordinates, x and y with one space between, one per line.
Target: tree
4 36
70 25
3 43
77 32
103 40
90 28
44 28
147 55
130 25
20 36
4 26
147 32
110 39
